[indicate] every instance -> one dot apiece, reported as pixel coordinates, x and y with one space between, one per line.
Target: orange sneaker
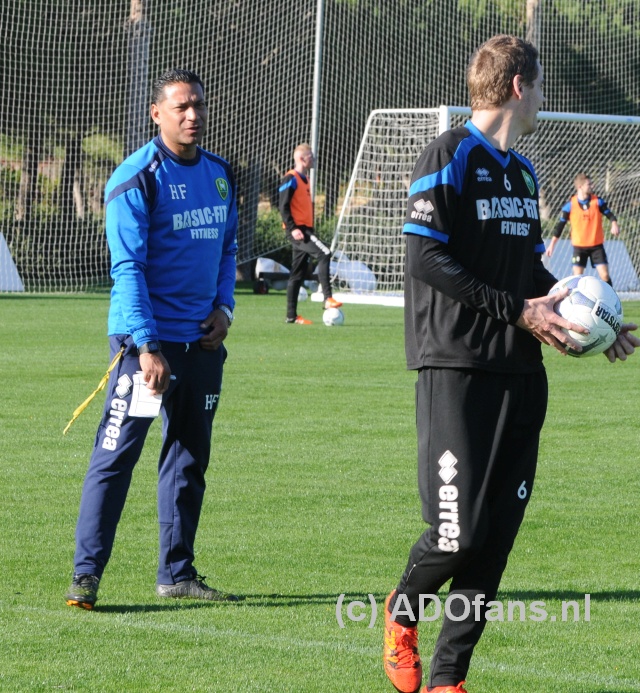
445 689
400 654
299 320
331 303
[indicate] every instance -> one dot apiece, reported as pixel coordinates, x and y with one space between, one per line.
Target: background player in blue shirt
171 221
476 312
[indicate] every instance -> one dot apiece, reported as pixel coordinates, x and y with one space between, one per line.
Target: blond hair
580 180
493 67
301 149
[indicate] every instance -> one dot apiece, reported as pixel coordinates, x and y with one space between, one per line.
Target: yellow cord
101 385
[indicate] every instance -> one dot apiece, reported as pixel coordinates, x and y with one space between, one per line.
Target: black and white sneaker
194 589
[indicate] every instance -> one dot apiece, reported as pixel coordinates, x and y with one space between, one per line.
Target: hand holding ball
593 304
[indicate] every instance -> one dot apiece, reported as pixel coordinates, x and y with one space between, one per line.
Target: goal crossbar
368 249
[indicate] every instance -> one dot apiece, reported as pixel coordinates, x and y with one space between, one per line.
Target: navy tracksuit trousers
478 436
188 409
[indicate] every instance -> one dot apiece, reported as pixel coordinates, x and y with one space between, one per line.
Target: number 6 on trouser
476 474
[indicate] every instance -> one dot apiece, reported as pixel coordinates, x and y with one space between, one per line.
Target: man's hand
297 235
624 345
216 328
539 318
615 229
156 371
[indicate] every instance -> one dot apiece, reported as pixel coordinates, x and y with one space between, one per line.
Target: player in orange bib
585 211
296 208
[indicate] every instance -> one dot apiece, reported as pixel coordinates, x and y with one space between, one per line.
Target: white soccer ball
593 304
333 317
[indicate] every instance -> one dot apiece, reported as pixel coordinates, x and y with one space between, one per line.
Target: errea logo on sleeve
422 210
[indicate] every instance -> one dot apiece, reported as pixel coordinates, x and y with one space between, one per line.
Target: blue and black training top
473 254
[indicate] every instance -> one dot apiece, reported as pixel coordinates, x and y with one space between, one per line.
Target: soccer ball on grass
333 317
593 304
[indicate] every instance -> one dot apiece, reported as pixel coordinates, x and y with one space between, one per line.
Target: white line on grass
480 662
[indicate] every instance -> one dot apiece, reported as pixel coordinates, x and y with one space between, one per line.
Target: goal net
368 262
76 75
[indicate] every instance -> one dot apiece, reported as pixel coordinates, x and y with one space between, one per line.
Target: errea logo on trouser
114 424
449 527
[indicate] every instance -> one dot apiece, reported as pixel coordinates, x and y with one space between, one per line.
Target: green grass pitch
312 493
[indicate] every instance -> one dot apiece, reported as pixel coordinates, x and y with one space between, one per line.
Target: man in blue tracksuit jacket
171 221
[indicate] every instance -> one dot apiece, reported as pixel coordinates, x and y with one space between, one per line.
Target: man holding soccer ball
476 314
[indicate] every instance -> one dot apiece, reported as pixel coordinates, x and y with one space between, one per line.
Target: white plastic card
143 403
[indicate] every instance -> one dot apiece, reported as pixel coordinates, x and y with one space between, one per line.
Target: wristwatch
149 348
227 311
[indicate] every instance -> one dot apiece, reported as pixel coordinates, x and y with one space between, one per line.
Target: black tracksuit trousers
478 435
303 252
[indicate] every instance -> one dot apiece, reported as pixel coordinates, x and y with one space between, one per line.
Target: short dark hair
173 76
494 65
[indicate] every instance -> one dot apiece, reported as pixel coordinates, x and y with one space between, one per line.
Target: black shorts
596 253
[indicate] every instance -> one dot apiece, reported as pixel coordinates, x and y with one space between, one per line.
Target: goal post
368 254
368 248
